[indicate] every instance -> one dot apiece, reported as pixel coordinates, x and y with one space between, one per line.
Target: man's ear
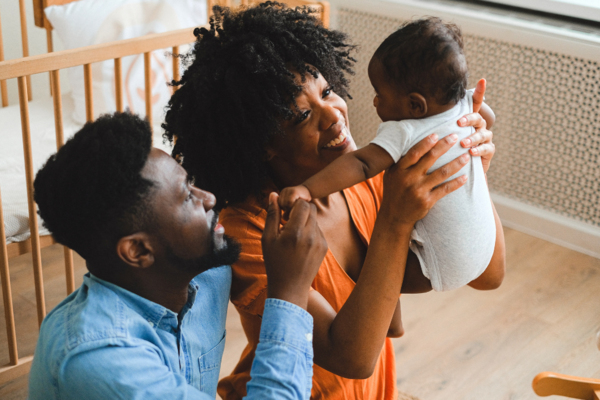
418 105
136 250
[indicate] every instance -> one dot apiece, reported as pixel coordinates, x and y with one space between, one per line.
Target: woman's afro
238 88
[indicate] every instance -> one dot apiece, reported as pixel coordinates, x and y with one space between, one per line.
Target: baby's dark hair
426 56
239 87
91 193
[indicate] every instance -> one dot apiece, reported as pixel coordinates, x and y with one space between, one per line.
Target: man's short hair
91 193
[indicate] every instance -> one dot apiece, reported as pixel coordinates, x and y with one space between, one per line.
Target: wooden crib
51 63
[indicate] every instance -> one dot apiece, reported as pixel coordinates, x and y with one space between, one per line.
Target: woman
260 100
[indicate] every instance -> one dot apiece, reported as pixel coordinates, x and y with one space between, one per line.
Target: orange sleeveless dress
246 222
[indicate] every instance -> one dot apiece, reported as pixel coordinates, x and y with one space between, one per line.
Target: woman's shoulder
370 191
245 222
241 215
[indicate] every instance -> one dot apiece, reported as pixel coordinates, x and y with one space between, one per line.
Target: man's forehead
162 168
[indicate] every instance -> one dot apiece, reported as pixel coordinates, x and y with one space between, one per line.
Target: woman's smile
341 141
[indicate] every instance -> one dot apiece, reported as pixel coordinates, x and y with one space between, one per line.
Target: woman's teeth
338 139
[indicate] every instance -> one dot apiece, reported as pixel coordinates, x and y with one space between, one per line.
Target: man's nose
208 199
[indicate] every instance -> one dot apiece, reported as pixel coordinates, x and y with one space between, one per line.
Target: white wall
11 37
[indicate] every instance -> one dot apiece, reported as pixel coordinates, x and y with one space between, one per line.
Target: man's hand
289 195
293 253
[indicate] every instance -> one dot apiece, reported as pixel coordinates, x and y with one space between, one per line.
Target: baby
419 74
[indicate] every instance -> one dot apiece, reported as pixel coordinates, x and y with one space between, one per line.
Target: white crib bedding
12 167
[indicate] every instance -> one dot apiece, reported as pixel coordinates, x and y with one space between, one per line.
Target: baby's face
390 104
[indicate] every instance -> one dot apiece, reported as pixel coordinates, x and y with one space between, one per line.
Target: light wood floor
459 345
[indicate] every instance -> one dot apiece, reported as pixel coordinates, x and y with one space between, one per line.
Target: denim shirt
104 342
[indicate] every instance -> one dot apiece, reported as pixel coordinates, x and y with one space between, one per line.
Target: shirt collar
154 313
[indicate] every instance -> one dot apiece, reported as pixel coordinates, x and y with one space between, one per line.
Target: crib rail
52 63
25 51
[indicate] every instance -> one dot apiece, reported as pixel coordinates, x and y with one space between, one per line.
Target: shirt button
309 337
151 323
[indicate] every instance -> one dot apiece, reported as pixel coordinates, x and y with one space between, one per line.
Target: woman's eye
189 196
327 92
302 116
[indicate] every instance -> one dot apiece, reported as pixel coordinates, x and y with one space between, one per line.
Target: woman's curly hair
238 88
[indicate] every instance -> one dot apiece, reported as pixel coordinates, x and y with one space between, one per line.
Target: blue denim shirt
104 342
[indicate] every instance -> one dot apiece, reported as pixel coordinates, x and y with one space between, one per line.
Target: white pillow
88 22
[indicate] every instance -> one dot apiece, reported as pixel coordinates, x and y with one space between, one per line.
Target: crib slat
60 140
33 221
3 89
9 314
50 46
57 100
148 88
25 40
176 63
119 84
89 94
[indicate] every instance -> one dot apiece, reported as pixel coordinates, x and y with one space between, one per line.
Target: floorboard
464 344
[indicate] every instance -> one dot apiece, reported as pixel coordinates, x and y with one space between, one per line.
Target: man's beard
218 256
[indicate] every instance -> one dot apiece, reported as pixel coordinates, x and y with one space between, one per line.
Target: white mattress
12 166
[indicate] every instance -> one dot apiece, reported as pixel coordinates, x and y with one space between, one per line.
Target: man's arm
282 366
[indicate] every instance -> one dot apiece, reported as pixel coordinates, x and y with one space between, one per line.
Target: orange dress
246 223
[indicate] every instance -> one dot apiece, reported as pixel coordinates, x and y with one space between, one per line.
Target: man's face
186 226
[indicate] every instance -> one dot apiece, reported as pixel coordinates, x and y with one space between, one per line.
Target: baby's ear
418 105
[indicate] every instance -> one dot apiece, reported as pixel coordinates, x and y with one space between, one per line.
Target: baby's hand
289 195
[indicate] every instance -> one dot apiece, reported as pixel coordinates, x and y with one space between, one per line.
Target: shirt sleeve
282 367
394 137
121 372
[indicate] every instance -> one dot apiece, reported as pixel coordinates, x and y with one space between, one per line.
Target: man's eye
190 196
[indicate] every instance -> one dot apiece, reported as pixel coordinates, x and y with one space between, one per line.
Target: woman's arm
370 307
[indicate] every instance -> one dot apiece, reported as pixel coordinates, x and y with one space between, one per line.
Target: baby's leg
396 329
490 279
414 280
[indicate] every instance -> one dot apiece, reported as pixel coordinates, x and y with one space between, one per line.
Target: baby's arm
488 114
345 171
480 107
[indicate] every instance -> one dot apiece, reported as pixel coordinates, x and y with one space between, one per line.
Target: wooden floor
460 345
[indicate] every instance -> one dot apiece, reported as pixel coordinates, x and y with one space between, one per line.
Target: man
148 321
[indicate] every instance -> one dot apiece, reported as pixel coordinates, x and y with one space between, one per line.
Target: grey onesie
456 239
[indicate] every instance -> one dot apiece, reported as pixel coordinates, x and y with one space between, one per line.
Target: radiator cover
547 106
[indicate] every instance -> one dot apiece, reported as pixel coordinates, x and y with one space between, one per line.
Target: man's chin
227 254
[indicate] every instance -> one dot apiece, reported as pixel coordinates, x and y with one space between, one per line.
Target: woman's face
318 134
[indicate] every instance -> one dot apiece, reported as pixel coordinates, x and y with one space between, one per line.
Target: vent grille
547 106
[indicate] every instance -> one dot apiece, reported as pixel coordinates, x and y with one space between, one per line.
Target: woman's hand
409 184
480 143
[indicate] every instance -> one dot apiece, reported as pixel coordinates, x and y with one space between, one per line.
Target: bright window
585 9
